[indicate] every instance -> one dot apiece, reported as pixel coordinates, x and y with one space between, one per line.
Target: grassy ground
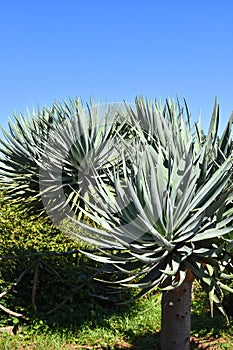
95 324
65 309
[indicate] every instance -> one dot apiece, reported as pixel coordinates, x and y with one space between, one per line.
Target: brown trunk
176 316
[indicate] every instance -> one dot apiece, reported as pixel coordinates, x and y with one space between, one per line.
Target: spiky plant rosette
163 219
21 147
85 141
27 143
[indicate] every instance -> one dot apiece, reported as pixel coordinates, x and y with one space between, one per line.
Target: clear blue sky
115 50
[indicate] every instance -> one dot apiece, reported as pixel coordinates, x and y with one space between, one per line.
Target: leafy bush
47 267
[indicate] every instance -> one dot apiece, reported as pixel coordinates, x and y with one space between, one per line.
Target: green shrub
37 254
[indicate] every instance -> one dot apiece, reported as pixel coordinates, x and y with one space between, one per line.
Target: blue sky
115 50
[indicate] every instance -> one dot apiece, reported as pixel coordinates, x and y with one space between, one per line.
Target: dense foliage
46 265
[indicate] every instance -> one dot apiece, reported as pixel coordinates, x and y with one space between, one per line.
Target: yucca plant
84 145
25 144
159 192
21 147
163 210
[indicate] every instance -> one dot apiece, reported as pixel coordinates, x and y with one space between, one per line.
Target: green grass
96 326
134 326
100 325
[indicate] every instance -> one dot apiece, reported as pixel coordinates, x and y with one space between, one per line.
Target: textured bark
176 317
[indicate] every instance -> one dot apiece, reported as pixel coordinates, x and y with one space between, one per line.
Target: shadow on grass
100 318
57 295
146 341
59 279
204 325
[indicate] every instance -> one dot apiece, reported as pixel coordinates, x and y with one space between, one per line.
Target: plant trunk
176 316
